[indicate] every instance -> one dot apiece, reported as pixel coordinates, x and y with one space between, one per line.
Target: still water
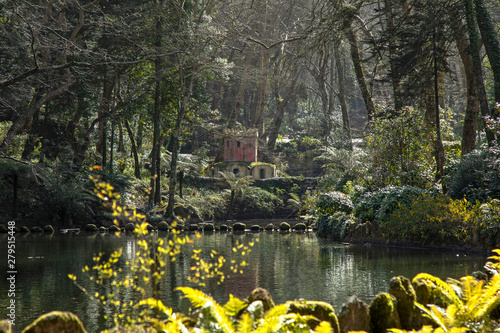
290 266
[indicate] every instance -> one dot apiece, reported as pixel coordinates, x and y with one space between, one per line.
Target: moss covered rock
261 294
300 227
48 229
163 226
103 229
193 227
284 226
91 228
384 313
24 229
56 321
208 227
238 226
255 227
269 227
130 227
321 310
150 227
354 316
401 288
427 293
3 229
113 228
224 227
36 229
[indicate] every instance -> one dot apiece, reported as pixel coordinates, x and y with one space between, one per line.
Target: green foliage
400 152
379 204
336 225
437 219
341 165
466 177
332 202
255 202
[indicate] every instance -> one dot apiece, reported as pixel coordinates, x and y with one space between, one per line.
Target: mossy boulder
401 288
224 227
5 326
269 227
321 310
384 313
24 229
56 321
193 227
103 229
113 228
3 229
150 227
300 227
255 227
208 227
163 226
48 229
261 294
91 228
284 226
36 229
427 293
130 227
238 226
354 316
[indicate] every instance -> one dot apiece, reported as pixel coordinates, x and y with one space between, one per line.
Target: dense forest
375 98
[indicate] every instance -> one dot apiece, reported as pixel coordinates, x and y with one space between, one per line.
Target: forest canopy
375 93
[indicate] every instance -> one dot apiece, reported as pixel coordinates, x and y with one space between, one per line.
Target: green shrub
255 202
336 225
467 176
378 205
438 219
332 202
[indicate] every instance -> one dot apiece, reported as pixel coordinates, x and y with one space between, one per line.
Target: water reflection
291 266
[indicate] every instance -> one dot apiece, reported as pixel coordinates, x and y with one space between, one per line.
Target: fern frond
435 314
234 306
444 287
245 325
155 304
200 299
489 299
324 327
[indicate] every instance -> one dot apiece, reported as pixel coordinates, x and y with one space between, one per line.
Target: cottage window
238 144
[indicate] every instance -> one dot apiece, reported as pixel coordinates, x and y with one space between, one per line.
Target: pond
291 266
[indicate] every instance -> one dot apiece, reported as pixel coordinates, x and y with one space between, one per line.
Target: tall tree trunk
473 106
103 114
154 196
491 44
474 50
241 92
360 75
137 167
186 84
440 156
347 139
273 130
396 83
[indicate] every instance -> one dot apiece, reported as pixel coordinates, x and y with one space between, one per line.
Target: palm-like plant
236 184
